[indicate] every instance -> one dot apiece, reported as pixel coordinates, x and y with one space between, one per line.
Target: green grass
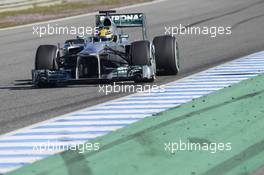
60 10
53 9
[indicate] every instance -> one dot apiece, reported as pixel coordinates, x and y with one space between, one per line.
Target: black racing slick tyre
140 56
140 53
166 55
46 57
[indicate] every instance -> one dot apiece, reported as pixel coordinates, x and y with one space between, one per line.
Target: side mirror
124 38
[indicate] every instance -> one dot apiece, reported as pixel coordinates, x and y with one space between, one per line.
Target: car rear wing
124 20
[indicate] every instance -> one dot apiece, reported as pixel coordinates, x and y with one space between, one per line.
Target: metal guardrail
9 5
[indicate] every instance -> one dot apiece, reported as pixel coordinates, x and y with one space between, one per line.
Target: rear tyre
166 55
46 57
140 56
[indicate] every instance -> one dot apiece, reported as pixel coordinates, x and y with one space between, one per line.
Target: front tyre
141 56
166 55
46 57
140 53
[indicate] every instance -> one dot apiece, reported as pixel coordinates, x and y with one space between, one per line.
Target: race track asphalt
21 105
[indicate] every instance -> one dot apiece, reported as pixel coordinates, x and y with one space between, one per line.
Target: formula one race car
107 55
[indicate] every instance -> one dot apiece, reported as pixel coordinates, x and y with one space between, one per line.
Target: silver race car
108 55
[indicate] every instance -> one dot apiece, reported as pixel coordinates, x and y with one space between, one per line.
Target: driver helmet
105 34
